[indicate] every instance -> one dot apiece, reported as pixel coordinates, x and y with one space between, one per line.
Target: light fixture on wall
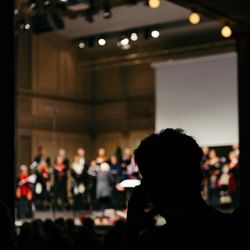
194 18
101 41
124 41
25 25
155 33
32 4
134 36
81 45
226 31
154 4
106 9
46 2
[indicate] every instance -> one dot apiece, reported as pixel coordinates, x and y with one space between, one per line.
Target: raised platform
101 218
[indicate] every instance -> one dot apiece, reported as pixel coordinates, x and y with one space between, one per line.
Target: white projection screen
200 96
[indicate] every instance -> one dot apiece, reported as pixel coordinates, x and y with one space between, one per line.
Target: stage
101 218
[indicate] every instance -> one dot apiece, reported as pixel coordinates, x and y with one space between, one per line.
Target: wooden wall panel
110 111
24 143
140 80
82 88
110 141
23 60
49 140
53 141
109 84
135 137
72 142
61 110
141 108
24 105
55 71
46 66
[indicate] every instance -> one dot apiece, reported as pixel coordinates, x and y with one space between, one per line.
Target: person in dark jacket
173 191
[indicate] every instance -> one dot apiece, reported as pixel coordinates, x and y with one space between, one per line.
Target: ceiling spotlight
155 33
106 10
125 47
64 1
27 26
33 5
107 14
134 37
226 31
81 45
101 41
46 2
194 18
124 41
154 4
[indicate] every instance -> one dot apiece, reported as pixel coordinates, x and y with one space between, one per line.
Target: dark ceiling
235 12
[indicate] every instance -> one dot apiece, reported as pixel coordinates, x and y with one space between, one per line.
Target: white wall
200 96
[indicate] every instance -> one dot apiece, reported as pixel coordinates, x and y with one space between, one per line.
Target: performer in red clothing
23 193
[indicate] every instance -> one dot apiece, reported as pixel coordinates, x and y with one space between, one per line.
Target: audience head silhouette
169 163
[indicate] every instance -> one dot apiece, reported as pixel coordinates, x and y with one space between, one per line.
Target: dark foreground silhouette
172 178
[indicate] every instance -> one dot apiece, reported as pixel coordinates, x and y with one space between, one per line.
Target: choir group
96 184
79 185
221 178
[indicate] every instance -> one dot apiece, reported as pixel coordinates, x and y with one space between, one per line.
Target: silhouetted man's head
170 166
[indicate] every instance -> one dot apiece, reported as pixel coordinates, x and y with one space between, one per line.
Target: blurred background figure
82 159
60 182
79 176
104 182
101 156
234 172
117 196
62 153
42 186
214 169
23 193
41 156
205 170
133 170
92 171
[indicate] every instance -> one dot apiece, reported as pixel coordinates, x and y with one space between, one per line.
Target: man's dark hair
170 155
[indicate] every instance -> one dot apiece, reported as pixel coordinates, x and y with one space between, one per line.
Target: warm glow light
226 31
125 47
124 41
194 18
154 4
81 45
27 26
101 42
33 6
134 37
155 33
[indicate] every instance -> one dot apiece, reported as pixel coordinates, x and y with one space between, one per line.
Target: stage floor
101 218
104 218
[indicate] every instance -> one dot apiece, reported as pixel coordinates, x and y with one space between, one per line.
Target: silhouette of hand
137 204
